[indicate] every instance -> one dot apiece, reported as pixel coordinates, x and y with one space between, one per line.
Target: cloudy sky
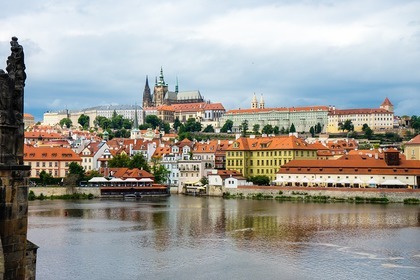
351 54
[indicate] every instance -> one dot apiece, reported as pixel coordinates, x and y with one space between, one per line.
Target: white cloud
349 53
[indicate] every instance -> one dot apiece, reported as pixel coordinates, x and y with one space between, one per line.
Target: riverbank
272 192
326 194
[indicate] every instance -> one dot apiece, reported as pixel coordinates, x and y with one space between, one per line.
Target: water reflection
198 235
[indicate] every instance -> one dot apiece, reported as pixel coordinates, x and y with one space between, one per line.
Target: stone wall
393 195
49 191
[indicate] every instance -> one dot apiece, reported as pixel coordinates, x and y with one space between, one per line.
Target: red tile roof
32 153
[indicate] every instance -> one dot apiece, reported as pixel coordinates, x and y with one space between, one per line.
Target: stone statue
12 86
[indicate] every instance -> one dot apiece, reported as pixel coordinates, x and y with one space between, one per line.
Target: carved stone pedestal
14 219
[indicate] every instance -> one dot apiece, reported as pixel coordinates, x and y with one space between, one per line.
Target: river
182 237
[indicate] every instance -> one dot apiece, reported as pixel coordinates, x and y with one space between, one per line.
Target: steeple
262 106
161 81
176 86
254 102
147 96
136 120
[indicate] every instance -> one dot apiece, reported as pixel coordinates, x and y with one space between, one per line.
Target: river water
182 237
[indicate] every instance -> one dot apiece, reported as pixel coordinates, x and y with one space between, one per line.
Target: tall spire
136 120
147 96
176 86
161 79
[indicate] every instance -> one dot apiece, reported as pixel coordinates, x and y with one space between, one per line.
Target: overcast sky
351 54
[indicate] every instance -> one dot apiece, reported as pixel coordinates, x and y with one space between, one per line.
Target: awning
116 180
98 180
131 180
317 180
344 181
331 181
393 182
305 180
372 182
278 180
358 181
146 180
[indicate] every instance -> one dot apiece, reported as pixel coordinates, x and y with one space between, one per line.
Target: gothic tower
160 91
147 97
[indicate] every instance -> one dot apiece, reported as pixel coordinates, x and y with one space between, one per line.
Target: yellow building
412 149
264 155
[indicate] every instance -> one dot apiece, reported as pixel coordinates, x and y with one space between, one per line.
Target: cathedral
163 96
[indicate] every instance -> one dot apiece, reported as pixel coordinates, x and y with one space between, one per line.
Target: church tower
262 106
387 105
254 102
160 91
147 97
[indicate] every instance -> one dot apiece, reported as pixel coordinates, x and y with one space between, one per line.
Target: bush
31 196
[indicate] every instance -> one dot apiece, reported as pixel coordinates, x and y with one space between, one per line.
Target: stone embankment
59 191
393 195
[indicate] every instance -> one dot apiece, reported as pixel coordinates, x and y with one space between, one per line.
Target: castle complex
163 96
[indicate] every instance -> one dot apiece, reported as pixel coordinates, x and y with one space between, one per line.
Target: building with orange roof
303 118
28 120
53 160
264 155
389 171
376 118
412 148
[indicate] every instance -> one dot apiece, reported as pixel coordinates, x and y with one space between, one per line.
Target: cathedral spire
147 96
161 79
176 86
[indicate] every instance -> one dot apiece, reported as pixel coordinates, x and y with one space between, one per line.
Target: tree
368 133
365 126
75 175
84 121
347 125
160 172
191 126
261 180
256 128
276 130
209 128
227 127
127 124
318 128
139 161
153 120
121 160
282 130
45 178
165 127
66 122
244 128
292 128
204 181
117 121
102 122
267 129
176 124
312 131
